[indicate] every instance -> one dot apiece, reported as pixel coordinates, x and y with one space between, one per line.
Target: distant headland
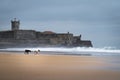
31 38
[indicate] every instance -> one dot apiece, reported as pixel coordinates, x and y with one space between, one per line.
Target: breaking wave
64 49
73 50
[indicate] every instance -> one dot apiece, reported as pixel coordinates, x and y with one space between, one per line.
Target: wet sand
16 66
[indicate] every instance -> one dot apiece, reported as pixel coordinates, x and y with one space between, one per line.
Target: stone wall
7 35
33 38
65 39
45 38
40 35
55 39
25 34
83 43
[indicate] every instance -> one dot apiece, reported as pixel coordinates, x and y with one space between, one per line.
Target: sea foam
64 49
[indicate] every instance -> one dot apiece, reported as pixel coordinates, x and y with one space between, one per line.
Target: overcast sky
96 20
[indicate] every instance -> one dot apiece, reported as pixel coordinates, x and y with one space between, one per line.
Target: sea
78 51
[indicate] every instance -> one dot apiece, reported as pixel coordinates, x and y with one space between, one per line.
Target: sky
95 20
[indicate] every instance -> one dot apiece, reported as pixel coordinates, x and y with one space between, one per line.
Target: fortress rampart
23 38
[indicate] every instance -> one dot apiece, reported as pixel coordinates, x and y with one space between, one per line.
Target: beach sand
16 66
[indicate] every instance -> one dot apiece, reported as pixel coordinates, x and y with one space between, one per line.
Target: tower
15 24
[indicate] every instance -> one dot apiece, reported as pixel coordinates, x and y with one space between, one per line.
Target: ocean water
105 51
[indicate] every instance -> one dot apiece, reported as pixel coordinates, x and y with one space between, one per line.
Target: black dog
27 51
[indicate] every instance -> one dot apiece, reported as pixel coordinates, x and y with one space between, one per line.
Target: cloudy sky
96 20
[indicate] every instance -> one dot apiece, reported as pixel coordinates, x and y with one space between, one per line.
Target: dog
36 52
27 51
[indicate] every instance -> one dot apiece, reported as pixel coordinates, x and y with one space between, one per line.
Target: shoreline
48 53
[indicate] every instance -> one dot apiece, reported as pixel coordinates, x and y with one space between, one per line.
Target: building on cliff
31 38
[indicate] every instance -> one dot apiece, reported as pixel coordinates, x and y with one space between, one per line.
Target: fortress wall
85 43
40 35
46 38
25 34
7 34
54 41
18 37
4 43
65 38
70 39
43 41
31 38
76 39
54 38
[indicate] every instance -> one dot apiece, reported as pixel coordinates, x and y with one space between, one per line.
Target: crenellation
15 24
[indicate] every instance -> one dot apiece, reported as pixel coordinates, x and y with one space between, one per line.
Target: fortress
31 38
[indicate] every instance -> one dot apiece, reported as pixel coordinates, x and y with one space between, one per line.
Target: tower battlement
15 24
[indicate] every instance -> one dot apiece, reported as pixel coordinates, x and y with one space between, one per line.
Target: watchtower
15 24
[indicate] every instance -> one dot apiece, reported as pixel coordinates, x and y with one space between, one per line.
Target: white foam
73 49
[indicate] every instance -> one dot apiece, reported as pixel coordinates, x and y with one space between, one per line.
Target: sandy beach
16 66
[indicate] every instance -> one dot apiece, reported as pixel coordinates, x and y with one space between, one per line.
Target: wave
105 51
73 49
